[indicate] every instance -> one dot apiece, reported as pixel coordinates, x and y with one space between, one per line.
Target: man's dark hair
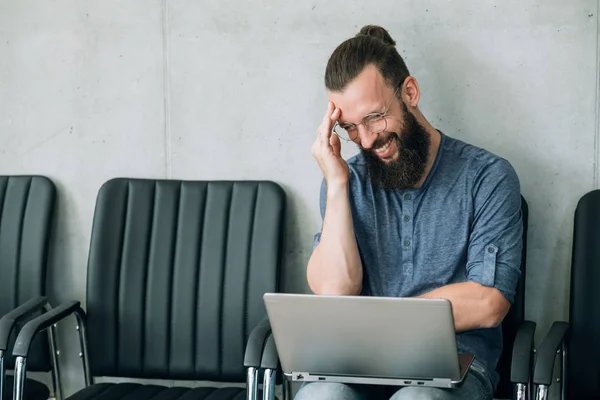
372 45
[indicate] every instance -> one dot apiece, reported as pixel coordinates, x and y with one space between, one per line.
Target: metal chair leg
542 392
252 384
2 374
20 373
269 384
56 382
287 388
521 391
531 386
563 392
83 346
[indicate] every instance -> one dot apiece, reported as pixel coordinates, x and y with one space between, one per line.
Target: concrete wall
233 90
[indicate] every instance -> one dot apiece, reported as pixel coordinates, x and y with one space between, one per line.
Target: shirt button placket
407 234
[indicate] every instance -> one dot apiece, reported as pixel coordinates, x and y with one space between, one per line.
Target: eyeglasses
373 122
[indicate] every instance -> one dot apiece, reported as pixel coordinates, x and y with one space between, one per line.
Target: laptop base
306 377
465 359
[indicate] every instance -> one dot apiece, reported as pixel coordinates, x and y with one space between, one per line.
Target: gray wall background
233 90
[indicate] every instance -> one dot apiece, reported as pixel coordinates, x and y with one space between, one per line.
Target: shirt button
407 243
491 250
407 218
407 196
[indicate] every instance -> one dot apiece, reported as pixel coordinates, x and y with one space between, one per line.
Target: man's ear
410 92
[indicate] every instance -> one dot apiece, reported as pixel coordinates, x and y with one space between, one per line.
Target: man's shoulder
478 161
461 151
490 178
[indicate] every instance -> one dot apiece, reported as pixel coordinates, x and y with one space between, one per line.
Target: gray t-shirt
463 224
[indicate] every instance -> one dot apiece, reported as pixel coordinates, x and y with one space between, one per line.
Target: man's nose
366 138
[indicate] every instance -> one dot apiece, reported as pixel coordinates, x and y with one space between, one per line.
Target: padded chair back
583 359
26 217
176 275
514 319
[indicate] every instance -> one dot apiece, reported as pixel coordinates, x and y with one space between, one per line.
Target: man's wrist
336 189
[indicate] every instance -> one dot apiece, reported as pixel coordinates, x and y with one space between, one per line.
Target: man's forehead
364 95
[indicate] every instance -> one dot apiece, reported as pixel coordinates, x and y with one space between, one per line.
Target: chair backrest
26 218
583 360
514 319
176 275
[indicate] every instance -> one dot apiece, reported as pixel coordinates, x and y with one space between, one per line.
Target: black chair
26 218
176 275
577 343
514 365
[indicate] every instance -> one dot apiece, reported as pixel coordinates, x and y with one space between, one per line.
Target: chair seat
33 390
134 391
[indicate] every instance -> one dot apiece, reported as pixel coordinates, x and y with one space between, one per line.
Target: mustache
381 140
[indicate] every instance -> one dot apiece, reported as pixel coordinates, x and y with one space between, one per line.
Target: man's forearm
473 306
335 266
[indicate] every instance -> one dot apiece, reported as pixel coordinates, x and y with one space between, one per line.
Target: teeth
384 147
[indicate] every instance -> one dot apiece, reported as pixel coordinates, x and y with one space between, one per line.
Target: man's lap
476 387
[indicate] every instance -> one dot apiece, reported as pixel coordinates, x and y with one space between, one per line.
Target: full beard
413 153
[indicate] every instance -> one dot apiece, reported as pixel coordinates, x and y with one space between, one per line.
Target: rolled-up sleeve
496 239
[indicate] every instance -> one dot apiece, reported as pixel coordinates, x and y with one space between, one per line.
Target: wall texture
233 90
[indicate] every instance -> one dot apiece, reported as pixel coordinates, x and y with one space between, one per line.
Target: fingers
324 133
328 122
326 119
336 145
334 116
328 111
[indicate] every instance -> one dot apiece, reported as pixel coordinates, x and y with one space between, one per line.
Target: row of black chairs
175 277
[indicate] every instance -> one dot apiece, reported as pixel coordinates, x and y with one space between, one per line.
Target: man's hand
327 150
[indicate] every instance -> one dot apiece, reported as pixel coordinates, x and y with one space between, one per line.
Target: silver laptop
367 340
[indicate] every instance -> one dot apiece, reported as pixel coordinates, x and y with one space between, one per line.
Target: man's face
397 156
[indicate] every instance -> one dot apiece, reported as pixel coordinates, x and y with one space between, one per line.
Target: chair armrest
38 324
256 343
546 353
270 357
522 354
24 311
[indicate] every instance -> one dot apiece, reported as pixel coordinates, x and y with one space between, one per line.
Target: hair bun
377 32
